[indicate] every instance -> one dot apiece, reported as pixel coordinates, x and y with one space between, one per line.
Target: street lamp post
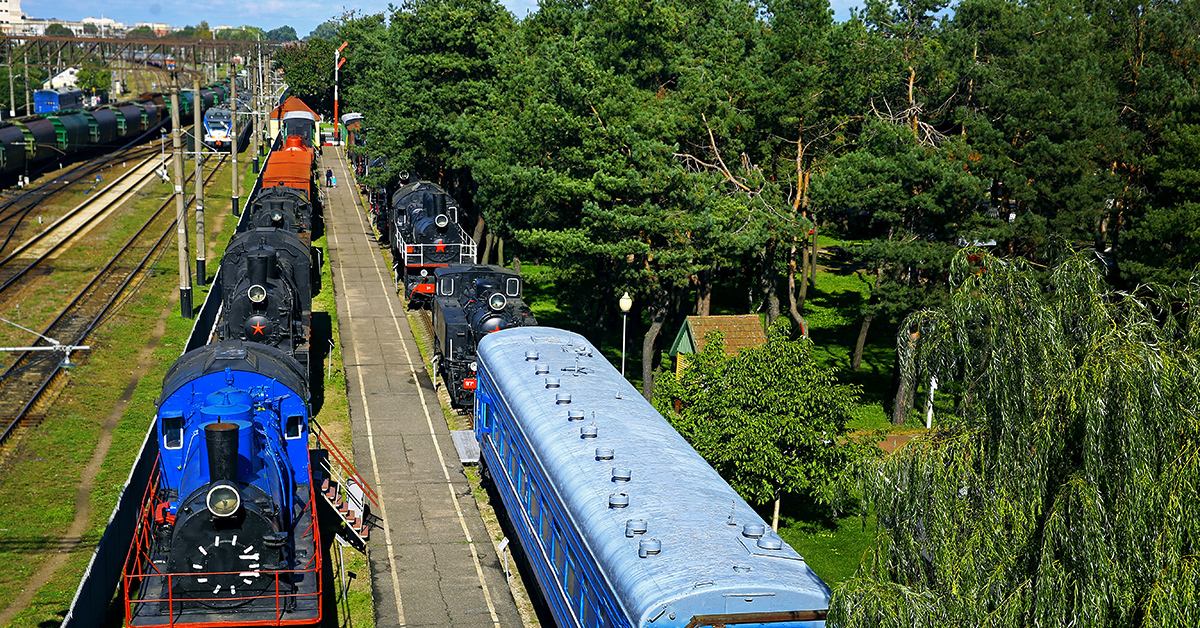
626 304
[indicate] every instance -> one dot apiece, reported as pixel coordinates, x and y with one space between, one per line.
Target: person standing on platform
329 177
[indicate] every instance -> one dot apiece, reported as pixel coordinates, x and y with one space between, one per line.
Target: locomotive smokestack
222 440
441 204
257 268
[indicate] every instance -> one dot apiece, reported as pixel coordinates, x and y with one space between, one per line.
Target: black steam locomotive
472 302
425 235
269 281
283 207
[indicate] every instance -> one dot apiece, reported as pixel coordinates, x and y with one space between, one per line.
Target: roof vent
575 415
618 500
589 431
635 527
604 453
753 530
531 356
552 382
562 398
770 543
649 547
621 474
542 369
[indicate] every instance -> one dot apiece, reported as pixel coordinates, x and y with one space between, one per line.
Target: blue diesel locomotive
622 521
228 522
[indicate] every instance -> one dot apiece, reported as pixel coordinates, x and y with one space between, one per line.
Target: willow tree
1067 490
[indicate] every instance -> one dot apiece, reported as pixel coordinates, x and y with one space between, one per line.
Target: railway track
16 210
25 383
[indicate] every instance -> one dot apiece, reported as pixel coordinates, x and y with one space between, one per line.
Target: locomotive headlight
424 273
497 301
474 366
441 221
257 294
277 217
223 499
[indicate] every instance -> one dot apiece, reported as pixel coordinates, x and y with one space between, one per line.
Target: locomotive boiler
269 282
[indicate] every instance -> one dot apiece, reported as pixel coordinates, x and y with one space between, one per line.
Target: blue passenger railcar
57 99
622 521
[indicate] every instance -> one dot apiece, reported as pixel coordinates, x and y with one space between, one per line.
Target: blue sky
303 15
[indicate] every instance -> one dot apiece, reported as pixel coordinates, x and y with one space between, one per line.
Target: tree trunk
499 251
812 258
861 343
793 306
517 264
775 517
907 376
487 248
478 235
703 292
767 281
856 359
658 316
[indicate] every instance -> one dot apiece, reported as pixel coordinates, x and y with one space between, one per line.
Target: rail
27 379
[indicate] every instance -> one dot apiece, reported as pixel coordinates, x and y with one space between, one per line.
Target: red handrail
139 567
344 463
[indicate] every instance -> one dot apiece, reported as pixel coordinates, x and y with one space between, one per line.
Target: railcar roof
696 515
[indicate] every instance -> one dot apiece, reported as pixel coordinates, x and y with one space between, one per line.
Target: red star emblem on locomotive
258 328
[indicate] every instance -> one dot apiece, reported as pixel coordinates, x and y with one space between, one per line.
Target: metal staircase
346 492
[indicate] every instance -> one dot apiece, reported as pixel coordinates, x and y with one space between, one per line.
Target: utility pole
27 109
185 275
12 92
233 134
198 137
337 65
259 107
255 101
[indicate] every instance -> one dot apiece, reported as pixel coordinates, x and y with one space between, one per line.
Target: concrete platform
432 562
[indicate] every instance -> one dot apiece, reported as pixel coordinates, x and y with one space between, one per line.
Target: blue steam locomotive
623 523
230 517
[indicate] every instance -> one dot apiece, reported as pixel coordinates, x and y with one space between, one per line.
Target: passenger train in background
218 126
229 532
57 99
622 522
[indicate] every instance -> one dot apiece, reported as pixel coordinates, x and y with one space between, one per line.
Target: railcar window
573 585
172 427
560 555
534 510
447 286
513 287
294 424
547 516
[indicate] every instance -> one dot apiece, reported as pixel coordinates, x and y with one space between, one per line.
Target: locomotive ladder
344 488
